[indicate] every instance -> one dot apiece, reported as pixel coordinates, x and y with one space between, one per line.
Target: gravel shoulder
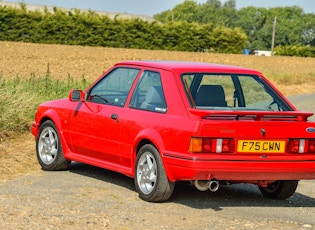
87 197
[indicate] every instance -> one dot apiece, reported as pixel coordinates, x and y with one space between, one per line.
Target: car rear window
231 92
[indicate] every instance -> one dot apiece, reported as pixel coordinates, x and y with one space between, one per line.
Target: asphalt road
87 197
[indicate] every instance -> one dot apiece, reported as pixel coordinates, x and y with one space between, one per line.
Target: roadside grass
20 98
293 83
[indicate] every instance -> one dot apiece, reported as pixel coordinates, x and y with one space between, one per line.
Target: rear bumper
194 169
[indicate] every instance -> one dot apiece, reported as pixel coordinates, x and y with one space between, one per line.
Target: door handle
114 116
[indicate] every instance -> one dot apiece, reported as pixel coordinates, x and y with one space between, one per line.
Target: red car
166 121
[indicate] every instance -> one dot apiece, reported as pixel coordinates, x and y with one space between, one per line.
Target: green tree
186 11
251 20
308 30
225 40
212 11
289 28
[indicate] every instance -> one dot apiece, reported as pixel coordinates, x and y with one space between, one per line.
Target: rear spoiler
251 115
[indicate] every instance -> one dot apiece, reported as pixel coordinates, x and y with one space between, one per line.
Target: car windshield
231 92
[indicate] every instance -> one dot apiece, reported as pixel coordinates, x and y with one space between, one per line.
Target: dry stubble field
25 59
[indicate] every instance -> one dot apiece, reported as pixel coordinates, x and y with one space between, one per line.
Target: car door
95 126
146 109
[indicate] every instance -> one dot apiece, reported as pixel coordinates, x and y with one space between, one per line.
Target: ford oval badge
310 130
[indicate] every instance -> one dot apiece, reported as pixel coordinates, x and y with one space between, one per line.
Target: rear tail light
211 145
301 146
311 146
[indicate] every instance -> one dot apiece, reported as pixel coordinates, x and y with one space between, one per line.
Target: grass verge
20 98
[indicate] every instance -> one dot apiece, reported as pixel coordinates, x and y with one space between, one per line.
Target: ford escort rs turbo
161 122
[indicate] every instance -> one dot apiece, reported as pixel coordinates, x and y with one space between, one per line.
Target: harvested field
293 75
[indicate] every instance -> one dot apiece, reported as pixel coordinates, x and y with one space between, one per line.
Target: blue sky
151 7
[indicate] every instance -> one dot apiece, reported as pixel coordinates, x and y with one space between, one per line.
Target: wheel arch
148 136
142 143
51 115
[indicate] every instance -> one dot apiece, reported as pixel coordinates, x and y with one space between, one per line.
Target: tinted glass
114 87
230 92
149 94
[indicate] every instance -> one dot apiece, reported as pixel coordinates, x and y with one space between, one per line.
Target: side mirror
76 95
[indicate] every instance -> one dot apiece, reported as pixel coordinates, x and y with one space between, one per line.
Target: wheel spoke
40 147
149 161
51 137
152 177
149 187
53 152
47 157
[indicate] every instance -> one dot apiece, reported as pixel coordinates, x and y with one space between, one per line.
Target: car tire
48 148
150 178
280 189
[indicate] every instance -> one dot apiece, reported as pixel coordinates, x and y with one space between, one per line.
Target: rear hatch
263 134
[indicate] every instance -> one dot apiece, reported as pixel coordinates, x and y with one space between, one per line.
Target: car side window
113 89
149 94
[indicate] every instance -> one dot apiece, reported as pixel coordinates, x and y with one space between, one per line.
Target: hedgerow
87 28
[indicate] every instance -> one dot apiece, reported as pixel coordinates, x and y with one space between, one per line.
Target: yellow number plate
255 146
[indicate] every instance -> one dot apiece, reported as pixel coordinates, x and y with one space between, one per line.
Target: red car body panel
109 136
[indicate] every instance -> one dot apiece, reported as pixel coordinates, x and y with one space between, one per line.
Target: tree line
295 30
189 26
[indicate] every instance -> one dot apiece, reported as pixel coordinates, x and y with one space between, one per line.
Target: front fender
52 115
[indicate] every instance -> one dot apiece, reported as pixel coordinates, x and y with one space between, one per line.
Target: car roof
190 66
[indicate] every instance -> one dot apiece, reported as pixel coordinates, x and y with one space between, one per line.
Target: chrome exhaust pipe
201 185
213 185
